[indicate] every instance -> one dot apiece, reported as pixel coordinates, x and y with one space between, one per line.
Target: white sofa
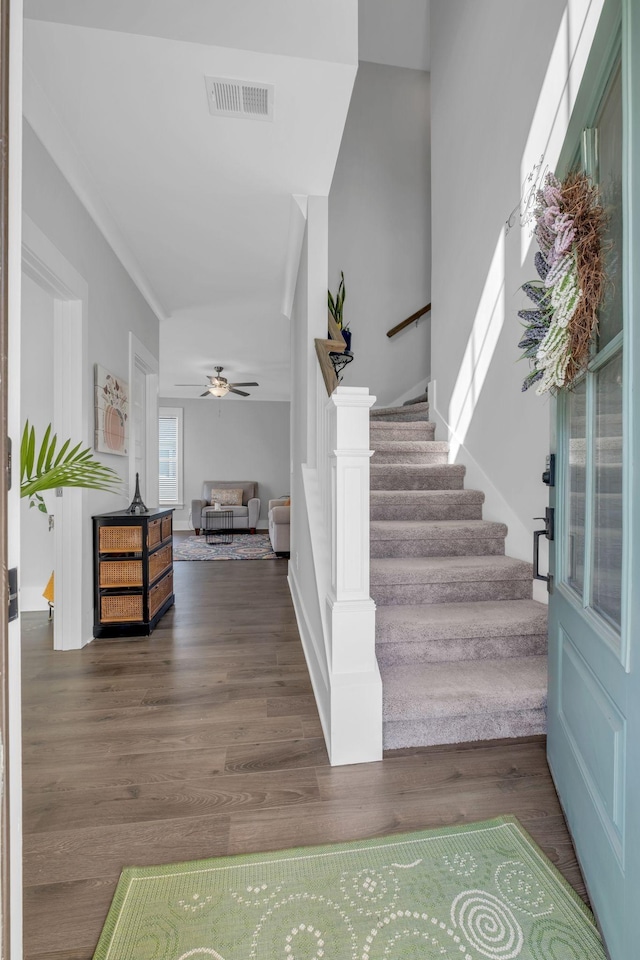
279 526
245 517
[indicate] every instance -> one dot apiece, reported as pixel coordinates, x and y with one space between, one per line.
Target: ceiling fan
219 386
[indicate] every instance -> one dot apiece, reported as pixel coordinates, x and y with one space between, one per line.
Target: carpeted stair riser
426 505
451 592
404 415
464 729
433 539
449 570
410 451
399 430
459 621
434 633
437 548
389 476
417 411
449 651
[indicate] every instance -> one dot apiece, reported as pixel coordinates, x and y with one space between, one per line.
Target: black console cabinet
133 572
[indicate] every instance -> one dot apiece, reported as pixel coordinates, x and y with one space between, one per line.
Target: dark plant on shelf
336 305
75 467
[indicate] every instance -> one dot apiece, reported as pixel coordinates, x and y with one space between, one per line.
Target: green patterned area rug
462 893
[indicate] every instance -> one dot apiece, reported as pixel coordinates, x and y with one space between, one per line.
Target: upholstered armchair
245 514
279 525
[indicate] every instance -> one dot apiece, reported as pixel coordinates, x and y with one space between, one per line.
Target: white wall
234 440
380 227
114 308
36 403
308 320
500 101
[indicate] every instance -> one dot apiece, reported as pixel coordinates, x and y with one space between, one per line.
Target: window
170 455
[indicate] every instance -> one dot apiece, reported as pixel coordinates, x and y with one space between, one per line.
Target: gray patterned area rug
245 546
482 891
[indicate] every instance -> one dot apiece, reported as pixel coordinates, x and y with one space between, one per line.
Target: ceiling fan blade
207 393
252 384
240 393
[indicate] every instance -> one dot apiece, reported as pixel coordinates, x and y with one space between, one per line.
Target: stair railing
412 319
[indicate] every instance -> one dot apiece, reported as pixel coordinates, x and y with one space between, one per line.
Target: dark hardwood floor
204 740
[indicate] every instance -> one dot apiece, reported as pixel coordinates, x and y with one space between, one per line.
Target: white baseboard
31 600
317 671
182 525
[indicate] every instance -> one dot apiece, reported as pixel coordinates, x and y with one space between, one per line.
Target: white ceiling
197 207
201 203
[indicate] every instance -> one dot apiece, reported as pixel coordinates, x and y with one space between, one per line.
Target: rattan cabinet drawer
120 573
154 533
120 539
160 561
121 608
159 593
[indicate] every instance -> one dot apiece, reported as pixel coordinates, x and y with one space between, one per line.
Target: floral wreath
569 224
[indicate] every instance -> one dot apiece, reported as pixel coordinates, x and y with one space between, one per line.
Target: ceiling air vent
239 98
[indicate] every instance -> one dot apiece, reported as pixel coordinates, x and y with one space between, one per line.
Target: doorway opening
54 312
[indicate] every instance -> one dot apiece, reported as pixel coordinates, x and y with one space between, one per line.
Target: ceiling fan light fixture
219 389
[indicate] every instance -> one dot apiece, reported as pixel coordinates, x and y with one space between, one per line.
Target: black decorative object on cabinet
133 572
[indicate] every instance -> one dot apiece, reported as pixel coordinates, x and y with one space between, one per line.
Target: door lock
549 532
549 475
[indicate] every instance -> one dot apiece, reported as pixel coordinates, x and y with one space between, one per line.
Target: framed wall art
112 413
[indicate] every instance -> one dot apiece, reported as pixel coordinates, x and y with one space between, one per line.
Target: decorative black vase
346 335
137 506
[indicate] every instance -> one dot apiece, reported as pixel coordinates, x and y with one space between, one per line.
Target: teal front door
594 614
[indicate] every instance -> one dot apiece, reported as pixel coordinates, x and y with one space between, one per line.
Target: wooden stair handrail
335 344
411 319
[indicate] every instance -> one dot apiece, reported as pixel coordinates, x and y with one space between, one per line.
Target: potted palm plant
65 467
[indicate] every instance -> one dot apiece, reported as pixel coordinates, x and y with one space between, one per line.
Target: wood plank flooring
204 740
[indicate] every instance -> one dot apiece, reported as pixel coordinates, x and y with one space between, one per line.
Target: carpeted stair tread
436 529
445 621
463 688
402 429
417 476
406 570
401 447
409 451
426 504
413 410
447 632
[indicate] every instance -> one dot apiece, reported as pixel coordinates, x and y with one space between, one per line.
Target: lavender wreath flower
557 332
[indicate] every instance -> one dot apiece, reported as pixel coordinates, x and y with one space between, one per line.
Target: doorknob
549 532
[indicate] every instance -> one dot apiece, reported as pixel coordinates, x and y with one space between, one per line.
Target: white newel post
356 689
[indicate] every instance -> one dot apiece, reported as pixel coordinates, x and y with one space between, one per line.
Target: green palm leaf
71 468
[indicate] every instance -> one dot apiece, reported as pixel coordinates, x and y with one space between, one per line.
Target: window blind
168 466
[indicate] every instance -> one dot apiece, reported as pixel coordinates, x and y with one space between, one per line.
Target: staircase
460 643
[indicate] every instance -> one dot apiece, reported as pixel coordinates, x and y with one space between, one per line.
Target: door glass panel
609 125
576 489
607 534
